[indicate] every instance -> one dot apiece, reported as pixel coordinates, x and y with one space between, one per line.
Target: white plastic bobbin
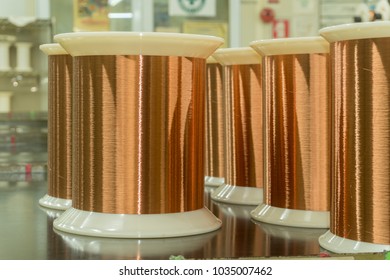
229 193
337 244
160 225
5 44
268 213
215 100
213 181
47 200
23 56
290 217
344 32
55 202
5 101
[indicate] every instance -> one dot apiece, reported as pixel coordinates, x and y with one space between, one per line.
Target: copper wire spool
296 84
360 213
215 125
139 133
59 180
243 127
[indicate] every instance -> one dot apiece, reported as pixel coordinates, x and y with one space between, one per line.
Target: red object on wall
267 15
280 28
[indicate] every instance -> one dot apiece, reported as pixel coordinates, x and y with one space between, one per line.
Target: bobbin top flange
355 31
237 56
301 45
138 43
53 49
211 60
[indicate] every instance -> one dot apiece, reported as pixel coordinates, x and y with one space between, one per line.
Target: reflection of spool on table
140 249
60 71
215 125
138 134
243 127
297 132
360 213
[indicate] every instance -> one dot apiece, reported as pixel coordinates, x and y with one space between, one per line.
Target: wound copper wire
60 72
139 134
243 121
297 131
215 122
361 158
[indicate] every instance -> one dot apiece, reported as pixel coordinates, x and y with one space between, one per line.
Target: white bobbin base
290 217
213 181
55 202
337 244
238 195
137 226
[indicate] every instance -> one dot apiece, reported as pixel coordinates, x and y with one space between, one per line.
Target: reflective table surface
26 232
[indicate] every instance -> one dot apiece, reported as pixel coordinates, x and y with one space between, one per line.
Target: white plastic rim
237 56
298 45
291 233
337 244
81 222
238 195
138 43
52 213
211 60
53 49
55 202
213 181
355 31
290 217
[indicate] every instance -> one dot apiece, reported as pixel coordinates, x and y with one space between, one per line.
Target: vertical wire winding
297 131
139 134
361 157
60 72
215 122
244 141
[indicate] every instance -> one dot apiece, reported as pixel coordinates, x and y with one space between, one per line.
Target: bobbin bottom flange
137 226
238 195
337 244
55 202
214 181
290 217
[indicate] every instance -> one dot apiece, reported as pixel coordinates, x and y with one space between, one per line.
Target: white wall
25 8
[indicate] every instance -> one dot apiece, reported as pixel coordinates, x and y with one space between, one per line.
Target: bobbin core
137 226
238 195
55 202
337 244
290 217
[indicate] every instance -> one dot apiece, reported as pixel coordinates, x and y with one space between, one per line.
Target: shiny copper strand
139 134
215 122
60 71
244 141
297 131
361 188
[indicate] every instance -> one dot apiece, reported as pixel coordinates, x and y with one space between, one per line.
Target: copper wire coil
215 125
60 71
361 159
243 121
139 134
297 131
